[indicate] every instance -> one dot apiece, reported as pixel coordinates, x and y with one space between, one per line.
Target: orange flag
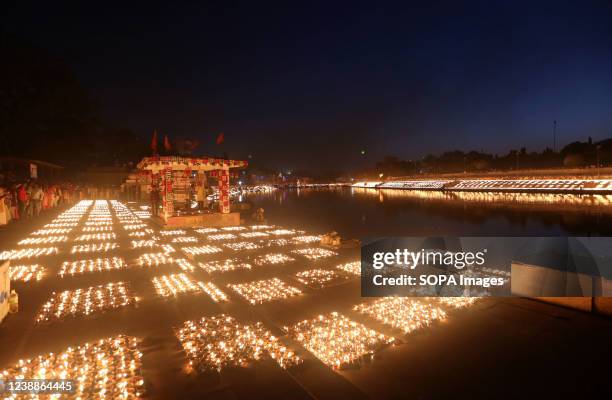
154 142
220 138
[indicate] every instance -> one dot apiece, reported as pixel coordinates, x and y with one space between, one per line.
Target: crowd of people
25 200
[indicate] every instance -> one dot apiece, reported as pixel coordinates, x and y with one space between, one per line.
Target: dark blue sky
314 83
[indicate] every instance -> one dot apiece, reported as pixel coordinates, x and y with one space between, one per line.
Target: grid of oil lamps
255 234
213 291
43 240
185 265
222 236
26 273
282 232
98 223
94 247
213 343
206 231
154 259
175 284
258 292
91 265
134 227
230 264
184 239
457 302
272 259
353 267
167 248
306 239
200 250
242 246
108 368
144 243
315 253
91 237
175 232
336 340
234 228
95 229
31 252
258 227
319 278
61 225
276 242
86 301
403 313
53 231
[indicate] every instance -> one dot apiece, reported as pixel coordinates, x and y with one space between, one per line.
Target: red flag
220 138
154 142
167 145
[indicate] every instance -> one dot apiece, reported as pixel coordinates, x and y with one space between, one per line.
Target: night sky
311 85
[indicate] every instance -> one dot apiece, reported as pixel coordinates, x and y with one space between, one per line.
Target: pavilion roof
177 163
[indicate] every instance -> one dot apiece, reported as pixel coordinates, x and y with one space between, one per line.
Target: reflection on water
355 212
577 202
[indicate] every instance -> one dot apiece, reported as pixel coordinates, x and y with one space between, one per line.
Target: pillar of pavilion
166 171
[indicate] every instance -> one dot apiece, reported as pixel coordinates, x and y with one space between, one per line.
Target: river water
359 213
